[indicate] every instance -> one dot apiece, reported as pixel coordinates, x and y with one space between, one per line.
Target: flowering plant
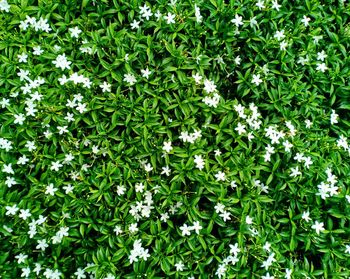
174 139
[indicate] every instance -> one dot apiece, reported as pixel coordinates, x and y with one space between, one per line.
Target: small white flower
318 227
321 67
50 189
37 50
74 32
167 146
275 5
256 79
249 220
146 73
170 18
185 230
55 166
19 118
7 168
305 20
279 35
260 4
306 216
237 20
135 24
220 176
106 87
129 78
321 55
42 244
179 266
22 57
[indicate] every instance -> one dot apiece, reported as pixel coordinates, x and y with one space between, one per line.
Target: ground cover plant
174 139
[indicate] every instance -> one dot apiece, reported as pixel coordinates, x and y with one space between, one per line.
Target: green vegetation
174 139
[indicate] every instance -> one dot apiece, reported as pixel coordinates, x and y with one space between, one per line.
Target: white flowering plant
174 139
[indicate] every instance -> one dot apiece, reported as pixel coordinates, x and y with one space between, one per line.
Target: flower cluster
138 252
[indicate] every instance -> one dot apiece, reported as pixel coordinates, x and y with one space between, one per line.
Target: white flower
106 87
42 244
135 24
68 189
133 228
306 216
283 45
220 176
196 227
237 20
241 128
321 55
4 6
56 165
145 12
80 273
50 189
37 50
225 215
62 62
295 172
170 18
197 77
130 78
11 210
63 231
146 73
199 161
267 246
267 276
22 57
275 5
158 15
256 79
167 146
30 145
139 187
219 208
288 273
118 230
347 250
121 190
74 32
7 168
198 16
21 258
279 35
166 170
334 117
287 146
234 249
318 227
24 214
260 4
249 220
305 20
321 67
179 266
19 118
185 230
10 181
148 167
209 86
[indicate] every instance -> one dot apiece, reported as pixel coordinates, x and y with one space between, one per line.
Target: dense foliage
174 139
